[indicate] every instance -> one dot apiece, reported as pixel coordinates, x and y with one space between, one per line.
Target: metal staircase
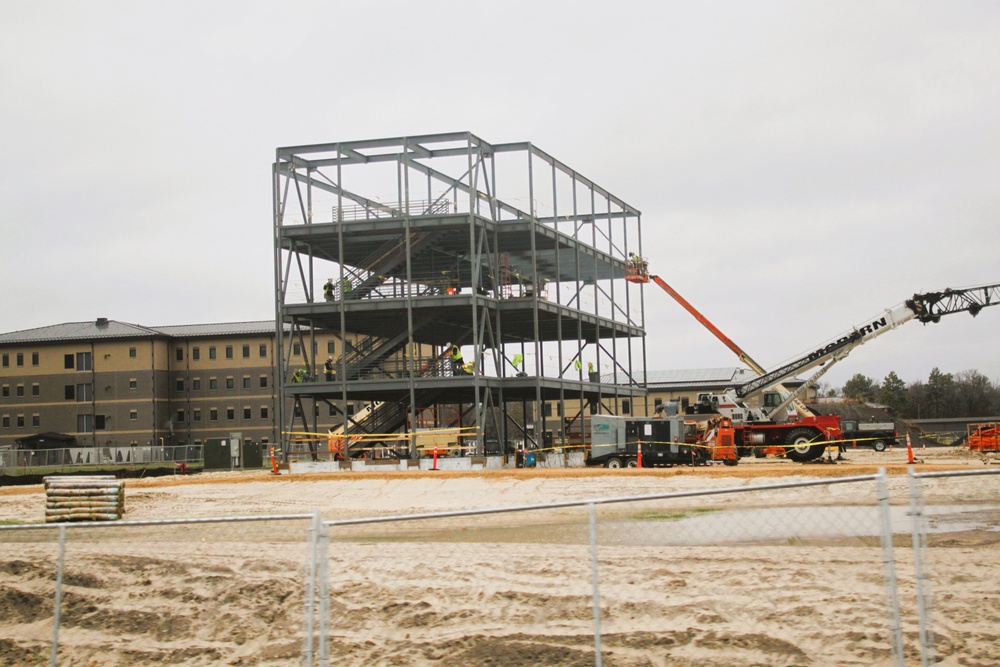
367 354
376 269
390 416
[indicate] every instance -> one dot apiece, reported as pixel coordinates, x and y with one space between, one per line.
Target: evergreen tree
892 393
940 399
861 388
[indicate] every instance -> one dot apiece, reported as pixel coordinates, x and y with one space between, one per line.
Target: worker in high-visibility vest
456 360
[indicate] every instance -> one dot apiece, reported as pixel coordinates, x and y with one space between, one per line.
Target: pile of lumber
83 498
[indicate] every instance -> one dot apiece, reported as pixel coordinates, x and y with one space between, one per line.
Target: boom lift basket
636 272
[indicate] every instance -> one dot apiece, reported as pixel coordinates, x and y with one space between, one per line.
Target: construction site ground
352 493
510 589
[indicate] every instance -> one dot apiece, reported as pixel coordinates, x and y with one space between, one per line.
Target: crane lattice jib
928 307
931 306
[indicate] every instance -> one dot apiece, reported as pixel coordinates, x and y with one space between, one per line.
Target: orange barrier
984 437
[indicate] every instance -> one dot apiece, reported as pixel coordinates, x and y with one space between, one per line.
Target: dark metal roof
683 378
47 441
112 329
259 327
95 329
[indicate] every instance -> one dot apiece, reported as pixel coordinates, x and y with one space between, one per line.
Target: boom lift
802 438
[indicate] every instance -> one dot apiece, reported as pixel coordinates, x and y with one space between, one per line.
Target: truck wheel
613 462
632 463
878 446
758 453
797 446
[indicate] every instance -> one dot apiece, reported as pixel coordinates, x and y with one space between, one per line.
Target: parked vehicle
879 435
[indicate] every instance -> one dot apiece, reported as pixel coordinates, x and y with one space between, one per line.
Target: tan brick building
112 383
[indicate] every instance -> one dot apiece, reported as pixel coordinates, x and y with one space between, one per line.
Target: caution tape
701 445
891 439
371 437
461 432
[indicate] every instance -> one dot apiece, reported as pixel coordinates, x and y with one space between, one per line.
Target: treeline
943 395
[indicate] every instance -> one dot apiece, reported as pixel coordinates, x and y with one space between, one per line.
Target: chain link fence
864 570
742 576
955 554
185 592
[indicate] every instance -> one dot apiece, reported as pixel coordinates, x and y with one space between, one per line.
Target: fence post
594 580
310 593
889 570
60 563
920 569
324 595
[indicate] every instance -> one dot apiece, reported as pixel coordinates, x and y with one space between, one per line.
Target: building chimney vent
102 321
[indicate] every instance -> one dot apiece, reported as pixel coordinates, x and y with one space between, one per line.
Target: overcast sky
800 166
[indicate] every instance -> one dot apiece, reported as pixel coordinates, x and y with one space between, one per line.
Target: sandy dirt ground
756 577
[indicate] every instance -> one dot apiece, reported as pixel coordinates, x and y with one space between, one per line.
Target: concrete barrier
382 465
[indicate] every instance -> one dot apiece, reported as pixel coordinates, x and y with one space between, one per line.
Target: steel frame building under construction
404 246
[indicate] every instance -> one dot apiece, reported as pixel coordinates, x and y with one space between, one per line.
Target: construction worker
591 373
328 290
638 263
456 360
300 375
328 367
345 287
516 362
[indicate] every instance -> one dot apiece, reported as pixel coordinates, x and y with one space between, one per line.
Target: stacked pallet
84 498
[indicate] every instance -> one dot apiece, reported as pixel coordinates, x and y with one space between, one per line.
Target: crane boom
928 307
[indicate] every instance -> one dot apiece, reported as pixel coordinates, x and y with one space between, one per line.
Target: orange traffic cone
909 450
638 449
